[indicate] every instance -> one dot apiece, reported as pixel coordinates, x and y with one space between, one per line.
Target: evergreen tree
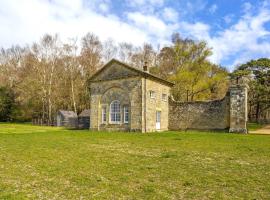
7 103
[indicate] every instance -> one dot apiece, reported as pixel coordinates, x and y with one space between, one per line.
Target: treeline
43 77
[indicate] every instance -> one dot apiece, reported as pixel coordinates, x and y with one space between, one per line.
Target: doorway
158 119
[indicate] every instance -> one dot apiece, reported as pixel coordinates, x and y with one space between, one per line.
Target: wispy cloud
195 6
213 8
247 6
155 27
228 18
170 14
136 3
243 37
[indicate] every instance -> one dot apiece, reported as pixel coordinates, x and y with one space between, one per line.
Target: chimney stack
145 67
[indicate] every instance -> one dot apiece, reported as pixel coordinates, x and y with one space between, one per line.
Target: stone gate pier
238 107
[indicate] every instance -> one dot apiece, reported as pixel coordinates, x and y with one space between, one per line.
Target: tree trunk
50 94
73 96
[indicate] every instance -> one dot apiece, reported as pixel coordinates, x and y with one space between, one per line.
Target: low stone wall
201 115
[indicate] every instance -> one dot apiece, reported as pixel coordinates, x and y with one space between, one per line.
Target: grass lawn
254 126
53 163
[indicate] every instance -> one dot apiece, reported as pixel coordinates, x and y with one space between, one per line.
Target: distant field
53 163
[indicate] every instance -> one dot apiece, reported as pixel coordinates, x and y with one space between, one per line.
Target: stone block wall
227 113
199 115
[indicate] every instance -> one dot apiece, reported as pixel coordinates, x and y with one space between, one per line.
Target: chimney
145 67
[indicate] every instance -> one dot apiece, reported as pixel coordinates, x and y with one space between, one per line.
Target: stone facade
128 99
117 82
127 92
158 102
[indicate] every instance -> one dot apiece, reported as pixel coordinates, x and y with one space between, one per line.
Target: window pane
152 94
158 116
164 97
126 114
115 112
117 117
104 113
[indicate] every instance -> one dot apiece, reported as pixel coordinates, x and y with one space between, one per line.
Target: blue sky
236 30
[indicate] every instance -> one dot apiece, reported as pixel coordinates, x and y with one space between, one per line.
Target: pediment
114 70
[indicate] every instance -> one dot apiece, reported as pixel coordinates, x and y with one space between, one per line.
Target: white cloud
195 6
154 26
242 39
23 22
228 18
247 7
104 7
149 22
213 8
246 39
136 3
26 21
196 30
148 7
169 14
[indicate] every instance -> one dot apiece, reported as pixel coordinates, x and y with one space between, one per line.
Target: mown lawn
254 126
52 163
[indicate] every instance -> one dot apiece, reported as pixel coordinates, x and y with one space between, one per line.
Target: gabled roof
67 113
85 113
140 72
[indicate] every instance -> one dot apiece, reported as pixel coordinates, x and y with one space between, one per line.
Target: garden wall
227 113
201 115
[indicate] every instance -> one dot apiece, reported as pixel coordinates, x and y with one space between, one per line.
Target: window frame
164 98
126 114
104 117
116 114
152 94
158 116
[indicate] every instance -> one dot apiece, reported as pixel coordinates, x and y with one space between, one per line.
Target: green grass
254 126
53 163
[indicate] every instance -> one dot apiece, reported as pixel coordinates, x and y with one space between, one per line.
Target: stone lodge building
128 99
124 98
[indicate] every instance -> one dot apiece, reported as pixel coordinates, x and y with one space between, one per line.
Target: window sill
115 123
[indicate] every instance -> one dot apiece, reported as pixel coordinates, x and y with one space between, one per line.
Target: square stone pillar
238 108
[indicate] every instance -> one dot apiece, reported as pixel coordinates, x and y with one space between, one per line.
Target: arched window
115 113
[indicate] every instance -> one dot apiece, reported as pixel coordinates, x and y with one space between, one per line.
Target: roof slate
85 113
68 113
